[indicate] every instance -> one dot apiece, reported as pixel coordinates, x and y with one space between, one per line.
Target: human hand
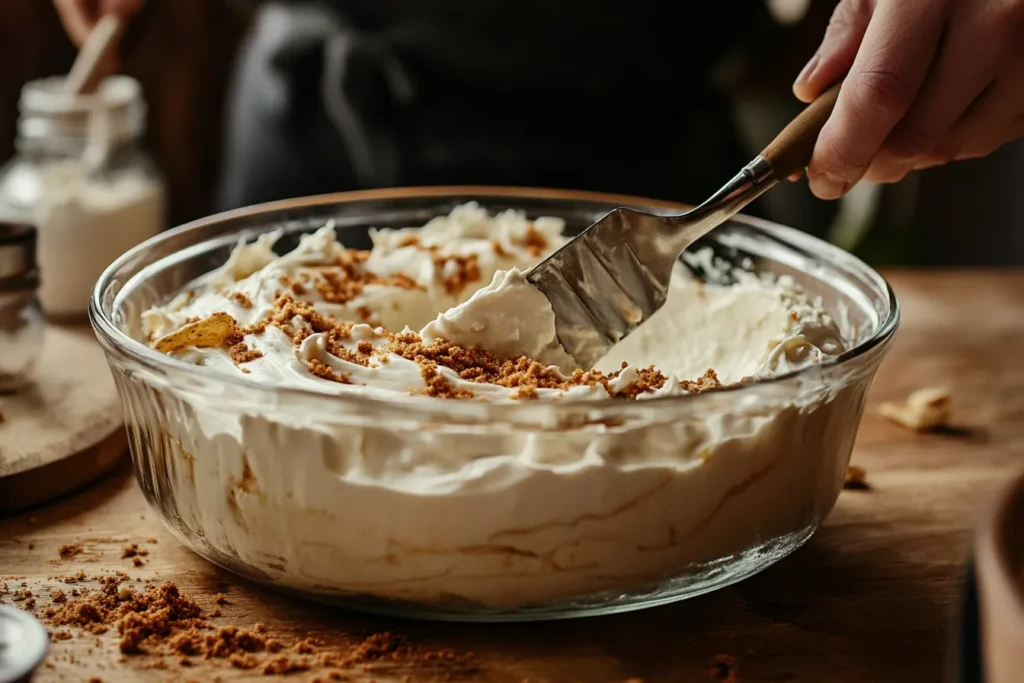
79 17
927 82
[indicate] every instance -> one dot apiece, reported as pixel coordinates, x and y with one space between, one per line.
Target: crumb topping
457 271
344 280
535 241
525 376
241 353
241 299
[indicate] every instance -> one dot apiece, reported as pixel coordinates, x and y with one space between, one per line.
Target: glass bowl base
698 580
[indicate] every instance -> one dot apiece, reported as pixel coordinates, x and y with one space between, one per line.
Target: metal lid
23 644
18 269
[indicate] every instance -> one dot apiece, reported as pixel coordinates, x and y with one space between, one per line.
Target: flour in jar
85 222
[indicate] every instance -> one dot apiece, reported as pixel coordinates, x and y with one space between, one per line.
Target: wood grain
66 428
869 598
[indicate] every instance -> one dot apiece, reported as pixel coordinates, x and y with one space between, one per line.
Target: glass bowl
535 510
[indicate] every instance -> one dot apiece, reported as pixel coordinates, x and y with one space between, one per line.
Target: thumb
838 48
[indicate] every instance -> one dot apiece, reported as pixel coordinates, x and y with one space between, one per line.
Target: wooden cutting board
66 428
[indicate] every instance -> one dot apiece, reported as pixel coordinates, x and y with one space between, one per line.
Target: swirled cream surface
504 519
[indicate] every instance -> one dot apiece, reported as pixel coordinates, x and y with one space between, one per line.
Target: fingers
899 45
992 120
889 68
965 66
837 51
78 18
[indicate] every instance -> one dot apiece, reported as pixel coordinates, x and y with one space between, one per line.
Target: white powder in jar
84 223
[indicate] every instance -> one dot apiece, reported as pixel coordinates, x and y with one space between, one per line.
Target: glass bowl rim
113 337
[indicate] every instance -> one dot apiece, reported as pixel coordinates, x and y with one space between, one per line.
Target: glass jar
21 321
83 179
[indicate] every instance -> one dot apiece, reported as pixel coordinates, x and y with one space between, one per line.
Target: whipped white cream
340 505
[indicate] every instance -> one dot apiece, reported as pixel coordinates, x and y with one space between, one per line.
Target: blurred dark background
184 53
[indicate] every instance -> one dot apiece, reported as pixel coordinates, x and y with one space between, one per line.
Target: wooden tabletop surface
869 598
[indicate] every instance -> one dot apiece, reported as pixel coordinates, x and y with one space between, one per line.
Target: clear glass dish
649 502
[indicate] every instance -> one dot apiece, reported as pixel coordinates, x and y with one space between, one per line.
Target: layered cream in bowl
707 444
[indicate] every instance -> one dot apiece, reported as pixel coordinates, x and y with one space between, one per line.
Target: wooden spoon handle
85 73
791 150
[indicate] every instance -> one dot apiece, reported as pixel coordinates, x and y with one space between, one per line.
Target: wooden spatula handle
86 73
791 150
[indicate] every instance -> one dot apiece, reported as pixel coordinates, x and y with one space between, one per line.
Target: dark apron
599 95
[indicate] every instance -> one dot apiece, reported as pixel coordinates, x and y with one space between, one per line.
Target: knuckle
846 14
888 92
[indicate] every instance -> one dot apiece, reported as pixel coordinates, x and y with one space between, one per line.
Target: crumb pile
163 627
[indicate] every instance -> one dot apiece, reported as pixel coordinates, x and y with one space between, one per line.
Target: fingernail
828 186
805 74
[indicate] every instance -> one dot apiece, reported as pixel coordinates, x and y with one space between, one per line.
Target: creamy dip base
499 518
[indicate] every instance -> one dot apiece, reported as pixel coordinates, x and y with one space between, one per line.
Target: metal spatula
614 275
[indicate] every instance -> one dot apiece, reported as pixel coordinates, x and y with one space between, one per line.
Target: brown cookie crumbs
499 250
241 299
338 282
58 597
535 241
80 576
244 660
320 369
856 479
366 315
344 280
463 271
69 550
439 387
295 286
306 646
282 666
708 381
241 353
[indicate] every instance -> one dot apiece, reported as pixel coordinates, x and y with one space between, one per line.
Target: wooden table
870 598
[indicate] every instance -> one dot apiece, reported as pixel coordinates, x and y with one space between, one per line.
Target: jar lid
23 644
18 268
47 111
